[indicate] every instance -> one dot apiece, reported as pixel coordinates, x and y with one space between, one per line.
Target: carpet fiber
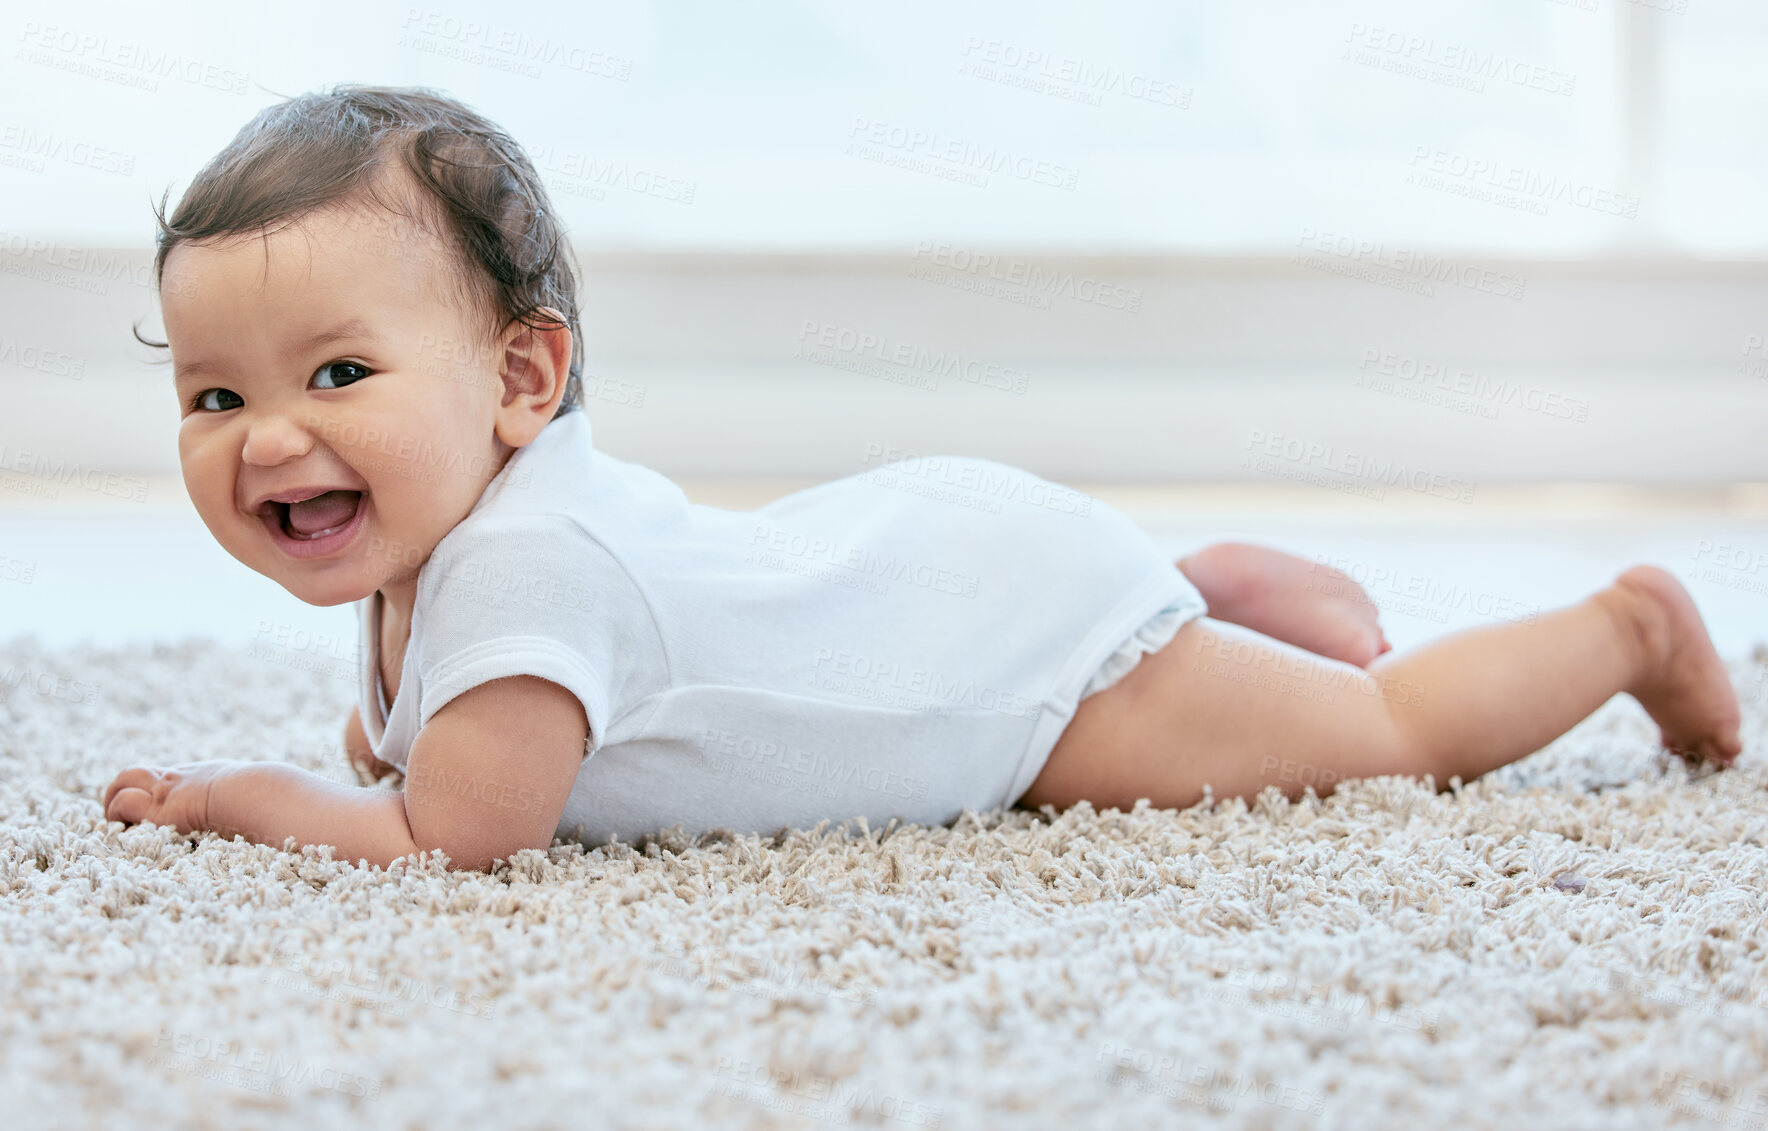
1574 941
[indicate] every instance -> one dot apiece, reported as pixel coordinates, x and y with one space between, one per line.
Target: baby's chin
339 585
325 595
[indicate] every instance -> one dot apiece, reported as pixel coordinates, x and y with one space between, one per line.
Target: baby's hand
177 797
369 769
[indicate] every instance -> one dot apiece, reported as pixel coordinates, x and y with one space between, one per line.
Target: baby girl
374 332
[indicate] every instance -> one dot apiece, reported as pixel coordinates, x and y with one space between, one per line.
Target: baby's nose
276 438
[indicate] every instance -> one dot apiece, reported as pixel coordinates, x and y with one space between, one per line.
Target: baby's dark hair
319 149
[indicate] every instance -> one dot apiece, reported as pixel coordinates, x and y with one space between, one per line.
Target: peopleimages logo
1038 282
777 547
796 1092
256 1069
1171 1076
45 683
903 469
872 139
48 145
121 61
1424 56
937 687
53 362
921 360
1358 466
82 268
583 174
339 972
1486 391
1483 177
1398 266
729 752
505 48
51 473
1065 76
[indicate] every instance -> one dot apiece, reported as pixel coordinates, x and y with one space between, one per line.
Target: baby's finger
137 777
1703 754
130 806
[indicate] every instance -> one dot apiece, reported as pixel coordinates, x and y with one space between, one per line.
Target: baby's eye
204 401
346 372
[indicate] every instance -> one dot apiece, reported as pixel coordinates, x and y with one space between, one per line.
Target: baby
374 332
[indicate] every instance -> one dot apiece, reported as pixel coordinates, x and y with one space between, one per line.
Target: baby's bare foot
1300 602
1684 688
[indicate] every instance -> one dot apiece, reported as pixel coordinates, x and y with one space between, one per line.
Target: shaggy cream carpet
1575 941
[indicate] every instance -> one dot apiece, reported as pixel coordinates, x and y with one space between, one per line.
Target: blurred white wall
1514 240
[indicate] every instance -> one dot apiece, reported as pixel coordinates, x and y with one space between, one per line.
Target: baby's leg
1300 602
1237 710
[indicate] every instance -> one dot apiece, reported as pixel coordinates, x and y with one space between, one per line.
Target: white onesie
907 641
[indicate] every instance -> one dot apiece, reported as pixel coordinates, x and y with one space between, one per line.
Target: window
1554 128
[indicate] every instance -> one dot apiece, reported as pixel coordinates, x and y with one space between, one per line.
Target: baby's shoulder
511 533
506 560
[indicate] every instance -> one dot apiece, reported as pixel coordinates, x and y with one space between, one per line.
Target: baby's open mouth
317 517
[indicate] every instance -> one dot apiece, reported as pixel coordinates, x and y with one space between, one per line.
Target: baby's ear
535 368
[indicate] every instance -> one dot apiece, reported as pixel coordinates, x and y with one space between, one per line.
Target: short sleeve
529 595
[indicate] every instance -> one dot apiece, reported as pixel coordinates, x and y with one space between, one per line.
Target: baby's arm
488 776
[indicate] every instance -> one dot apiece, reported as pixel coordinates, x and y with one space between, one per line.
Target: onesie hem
1165 589
1154 634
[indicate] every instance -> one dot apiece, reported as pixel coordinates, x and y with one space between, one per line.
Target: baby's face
329 361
